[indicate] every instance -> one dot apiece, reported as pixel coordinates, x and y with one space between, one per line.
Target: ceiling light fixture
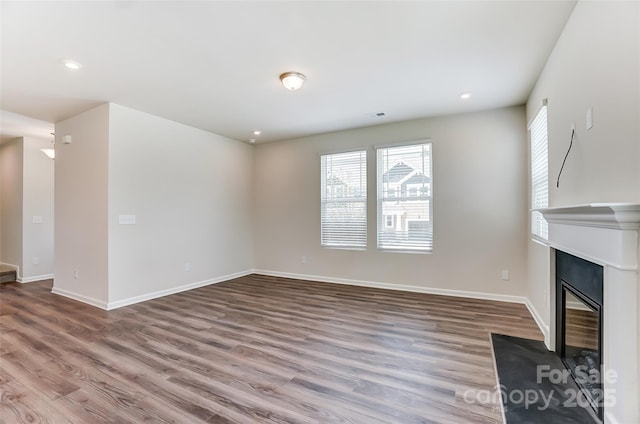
466 95
292 80
257 132
252 140
72 64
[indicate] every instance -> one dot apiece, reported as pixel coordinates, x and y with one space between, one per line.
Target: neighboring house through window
344 200
404 198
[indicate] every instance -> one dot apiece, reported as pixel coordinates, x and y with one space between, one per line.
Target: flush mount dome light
292 80
72 64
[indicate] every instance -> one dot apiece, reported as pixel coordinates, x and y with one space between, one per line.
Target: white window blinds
539 173
344 200
405 198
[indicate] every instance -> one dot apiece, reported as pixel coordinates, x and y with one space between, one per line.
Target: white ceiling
214 65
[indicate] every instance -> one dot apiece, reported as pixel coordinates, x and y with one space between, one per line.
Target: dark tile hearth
529 395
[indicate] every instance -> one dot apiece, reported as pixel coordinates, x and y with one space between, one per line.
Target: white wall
81 195
11 154
595 63
37 239
479 205
191 193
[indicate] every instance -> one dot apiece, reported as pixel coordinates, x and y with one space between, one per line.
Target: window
539 173
388 221
343 219
404 191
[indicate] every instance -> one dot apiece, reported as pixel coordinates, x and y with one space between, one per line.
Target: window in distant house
539 173
404 191
343 217
389 221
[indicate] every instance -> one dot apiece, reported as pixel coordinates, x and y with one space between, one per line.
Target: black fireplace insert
579 300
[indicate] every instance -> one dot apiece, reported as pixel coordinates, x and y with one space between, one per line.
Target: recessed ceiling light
72 64
466 95
292 80
257 132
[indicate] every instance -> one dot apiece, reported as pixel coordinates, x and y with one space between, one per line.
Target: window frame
399 197
538 133
362 198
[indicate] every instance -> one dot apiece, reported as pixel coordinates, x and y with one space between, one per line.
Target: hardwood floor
251 350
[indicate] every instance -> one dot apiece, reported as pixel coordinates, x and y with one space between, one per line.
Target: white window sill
360 249
414 251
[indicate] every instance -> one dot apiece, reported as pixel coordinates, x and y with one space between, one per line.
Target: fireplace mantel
622 216
607 234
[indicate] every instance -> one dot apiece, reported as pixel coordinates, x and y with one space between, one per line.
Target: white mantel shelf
607 234
622 216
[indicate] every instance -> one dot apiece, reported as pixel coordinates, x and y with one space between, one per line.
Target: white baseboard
544 328
418 289
362 283
35 278
400 287
79 297
10 265
154 295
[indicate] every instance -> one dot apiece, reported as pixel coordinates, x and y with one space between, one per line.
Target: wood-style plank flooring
252 350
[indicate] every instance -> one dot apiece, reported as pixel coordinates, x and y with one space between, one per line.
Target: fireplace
595 300
579 300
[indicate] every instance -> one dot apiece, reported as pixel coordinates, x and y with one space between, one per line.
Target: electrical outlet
505 274
187 266
75 274
304 259
36 260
